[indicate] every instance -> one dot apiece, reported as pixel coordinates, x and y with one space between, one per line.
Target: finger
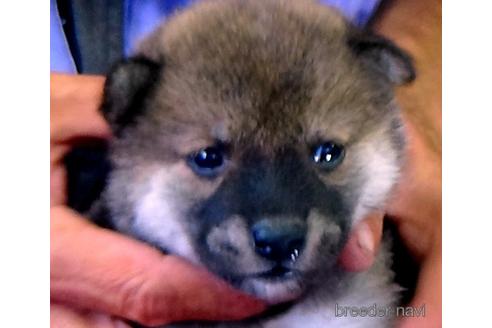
105 271
62 316
74 107
74 116
416 203
428 294
58 175
82 124
361 248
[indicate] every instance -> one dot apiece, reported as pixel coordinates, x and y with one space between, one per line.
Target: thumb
102 270
62 316
361 248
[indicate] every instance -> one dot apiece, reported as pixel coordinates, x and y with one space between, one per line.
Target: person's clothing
87 36
60 57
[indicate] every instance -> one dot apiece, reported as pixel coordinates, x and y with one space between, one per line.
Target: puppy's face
250 136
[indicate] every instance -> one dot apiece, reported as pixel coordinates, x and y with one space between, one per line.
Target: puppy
250 136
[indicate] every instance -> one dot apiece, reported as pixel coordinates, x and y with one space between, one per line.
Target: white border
467 163
24 173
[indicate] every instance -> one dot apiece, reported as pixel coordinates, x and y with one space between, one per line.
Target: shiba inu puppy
250 136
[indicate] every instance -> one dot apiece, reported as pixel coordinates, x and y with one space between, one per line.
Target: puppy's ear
384 56
127 86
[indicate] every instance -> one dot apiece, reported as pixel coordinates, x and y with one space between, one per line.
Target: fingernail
365 239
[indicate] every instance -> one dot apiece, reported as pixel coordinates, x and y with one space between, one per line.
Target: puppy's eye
208 161
328 155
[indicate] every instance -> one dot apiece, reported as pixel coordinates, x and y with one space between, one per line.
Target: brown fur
270 79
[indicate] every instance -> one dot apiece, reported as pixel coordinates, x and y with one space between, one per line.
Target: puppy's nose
279 242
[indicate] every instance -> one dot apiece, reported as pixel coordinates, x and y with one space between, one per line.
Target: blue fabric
60 58
357 11
141 16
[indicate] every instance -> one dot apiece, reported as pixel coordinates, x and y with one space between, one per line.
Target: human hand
416 205
100 278
416 210
108 273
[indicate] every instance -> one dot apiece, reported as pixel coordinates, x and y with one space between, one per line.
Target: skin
94 284
417 208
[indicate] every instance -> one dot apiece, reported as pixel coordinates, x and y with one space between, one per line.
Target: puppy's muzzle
279 241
